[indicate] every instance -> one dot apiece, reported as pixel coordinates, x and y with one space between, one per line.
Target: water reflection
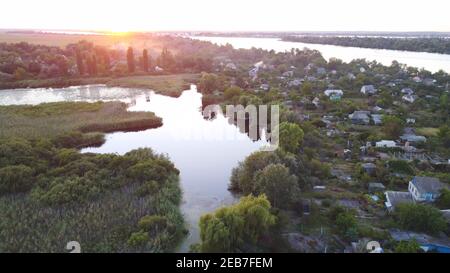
203 149
73 93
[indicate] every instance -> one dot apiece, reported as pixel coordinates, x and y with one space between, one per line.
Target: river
204 150
430 61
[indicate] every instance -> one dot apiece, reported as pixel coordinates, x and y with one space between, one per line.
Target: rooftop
427 184
395 198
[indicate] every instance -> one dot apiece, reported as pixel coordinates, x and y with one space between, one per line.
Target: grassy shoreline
169 85
75 124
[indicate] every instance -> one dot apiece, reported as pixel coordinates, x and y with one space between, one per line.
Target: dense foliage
50 196
419 217
229 229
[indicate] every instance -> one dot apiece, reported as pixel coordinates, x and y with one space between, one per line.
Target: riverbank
168 85
430 45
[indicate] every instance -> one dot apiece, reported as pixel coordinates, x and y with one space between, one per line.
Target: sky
227 15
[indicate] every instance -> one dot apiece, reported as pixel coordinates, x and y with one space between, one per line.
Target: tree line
433 45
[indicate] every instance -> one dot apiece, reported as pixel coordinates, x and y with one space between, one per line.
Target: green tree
166 60
145 60
291 137
347 224
419 217
94 65
280 187
80 65
306 89
229 228
138 239
208 83
408 247
130 60
443 201
242 177
231 92
20 73
392 126
444 135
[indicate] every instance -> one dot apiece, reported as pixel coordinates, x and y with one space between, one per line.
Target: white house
385 144
425 189
368 89
409 98
316 101
407 91
330 92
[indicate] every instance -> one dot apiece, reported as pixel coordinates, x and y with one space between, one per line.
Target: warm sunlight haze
258 130
231 15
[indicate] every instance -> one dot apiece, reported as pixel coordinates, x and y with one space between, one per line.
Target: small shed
376 187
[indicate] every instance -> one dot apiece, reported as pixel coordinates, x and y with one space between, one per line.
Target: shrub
153 223
138 239
15 179
408 247
419 217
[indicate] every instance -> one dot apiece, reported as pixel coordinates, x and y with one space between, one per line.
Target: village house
428 81
295 82
425 189
407 91
253 73
316 101
230 66
417 79
386 144
376 187
321 71
264 87
368 90
330 92
360 117
420 189
394 198
377 119
412 138
351 76
369 168
410 120
410 98
377 109
288 74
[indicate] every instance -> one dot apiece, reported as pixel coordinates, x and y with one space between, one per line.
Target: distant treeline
432 45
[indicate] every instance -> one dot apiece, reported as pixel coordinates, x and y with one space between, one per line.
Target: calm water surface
204 150
430 61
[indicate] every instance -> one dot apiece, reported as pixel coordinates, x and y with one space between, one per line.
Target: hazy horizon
227 16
